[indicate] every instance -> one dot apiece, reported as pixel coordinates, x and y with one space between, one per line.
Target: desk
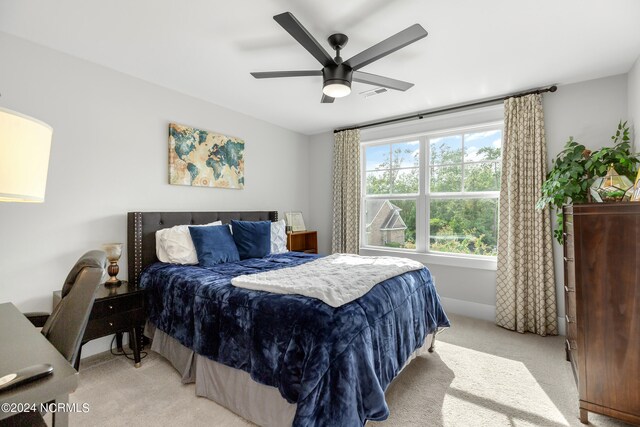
22 345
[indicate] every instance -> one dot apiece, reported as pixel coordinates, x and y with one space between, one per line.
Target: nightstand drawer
119 322
111 306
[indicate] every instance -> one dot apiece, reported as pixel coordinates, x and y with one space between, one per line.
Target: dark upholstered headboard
142 227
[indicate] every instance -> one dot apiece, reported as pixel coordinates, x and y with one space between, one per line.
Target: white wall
321 188
588 111
109 156
633 100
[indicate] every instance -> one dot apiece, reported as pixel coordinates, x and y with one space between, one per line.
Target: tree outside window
461 183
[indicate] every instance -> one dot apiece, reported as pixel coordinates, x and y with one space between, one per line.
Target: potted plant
575 168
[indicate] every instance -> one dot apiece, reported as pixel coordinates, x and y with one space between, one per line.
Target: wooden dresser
602 302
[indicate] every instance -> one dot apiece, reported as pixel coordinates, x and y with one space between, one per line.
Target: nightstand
115 311
303 241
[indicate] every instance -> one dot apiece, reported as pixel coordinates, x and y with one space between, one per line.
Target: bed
279 359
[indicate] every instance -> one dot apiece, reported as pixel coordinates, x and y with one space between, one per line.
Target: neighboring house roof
395 221
373 209
391 215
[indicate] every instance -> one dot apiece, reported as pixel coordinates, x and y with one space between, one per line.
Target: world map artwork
205 159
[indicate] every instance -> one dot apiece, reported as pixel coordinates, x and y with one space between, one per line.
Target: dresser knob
110 323
110 307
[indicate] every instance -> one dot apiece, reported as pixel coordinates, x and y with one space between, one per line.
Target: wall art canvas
205 159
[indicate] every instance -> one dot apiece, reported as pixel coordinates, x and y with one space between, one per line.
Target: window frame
424 196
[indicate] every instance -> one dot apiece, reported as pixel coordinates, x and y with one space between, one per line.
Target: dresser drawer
569 254
569 248
111 306
568 224
570 313
569 272
572 329
570 302
119 322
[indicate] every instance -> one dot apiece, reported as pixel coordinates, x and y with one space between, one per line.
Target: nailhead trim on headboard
137 247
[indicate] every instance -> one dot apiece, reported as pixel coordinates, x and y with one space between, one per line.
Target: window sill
474 262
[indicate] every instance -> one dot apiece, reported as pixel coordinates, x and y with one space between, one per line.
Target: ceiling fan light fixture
336 88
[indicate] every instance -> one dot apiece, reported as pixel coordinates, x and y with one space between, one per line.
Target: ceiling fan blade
376 80
276 74
387 46
298 32
327 99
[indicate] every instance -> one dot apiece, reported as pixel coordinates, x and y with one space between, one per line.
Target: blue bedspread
334 363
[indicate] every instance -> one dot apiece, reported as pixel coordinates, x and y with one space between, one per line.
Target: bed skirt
233 388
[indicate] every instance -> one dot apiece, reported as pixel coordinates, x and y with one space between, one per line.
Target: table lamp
25 144
114 252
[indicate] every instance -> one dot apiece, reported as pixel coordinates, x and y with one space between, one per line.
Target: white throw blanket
336 279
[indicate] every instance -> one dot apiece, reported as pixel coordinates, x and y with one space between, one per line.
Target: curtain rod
449 109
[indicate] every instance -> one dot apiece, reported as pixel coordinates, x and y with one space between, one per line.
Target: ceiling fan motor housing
338 74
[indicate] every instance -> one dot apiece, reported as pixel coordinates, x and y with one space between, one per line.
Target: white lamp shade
25 144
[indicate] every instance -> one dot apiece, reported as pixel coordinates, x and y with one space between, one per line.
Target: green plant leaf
572 174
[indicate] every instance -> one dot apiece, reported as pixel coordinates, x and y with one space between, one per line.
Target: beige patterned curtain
346 192
525 292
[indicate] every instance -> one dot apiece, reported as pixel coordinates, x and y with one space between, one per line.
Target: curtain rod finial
553 88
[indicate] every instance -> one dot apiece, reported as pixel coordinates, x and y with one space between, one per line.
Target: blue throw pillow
214 245
253 238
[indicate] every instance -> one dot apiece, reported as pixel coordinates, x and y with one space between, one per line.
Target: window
392 186
434 193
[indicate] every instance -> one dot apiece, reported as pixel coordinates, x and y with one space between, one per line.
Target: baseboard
481 311
469 309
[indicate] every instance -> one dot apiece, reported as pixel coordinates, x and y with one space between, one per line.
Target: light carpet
480 375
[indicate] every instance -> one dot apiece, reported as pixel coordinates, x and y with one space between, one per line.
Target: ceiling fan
337 74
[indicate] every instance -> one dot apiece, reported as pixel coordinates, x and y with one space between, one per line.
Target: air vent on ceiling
373 92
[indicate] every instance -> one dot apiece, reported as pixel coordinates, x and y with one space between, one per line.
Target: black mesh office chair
65 326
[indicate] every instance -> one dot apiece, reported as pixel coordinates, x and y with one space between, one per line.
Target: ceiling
206 48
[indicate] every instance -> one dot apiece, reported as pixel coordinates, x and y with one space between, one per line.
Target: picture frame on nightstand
295 221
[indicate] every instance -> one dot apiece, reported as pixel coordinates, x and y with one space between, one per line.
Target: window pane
406 154
482 146
377 157
406 181
447 149
446 179
482 177
464 226
390 223
378 182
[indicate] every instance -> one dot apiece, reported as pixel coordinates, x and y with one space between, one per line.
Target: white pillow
278 237
174 245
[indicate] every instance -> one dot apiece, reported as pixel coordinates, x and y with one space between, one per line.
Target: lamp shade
25 144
